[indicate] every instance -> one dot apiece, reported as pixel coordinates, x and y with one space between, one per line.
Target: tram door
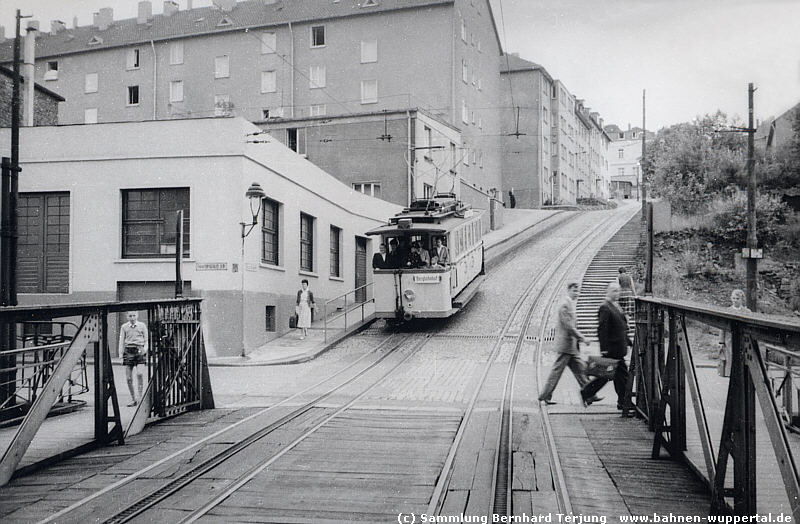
361 268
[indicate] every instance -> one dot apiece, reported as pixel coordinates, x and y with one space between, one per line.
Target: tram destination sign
427 279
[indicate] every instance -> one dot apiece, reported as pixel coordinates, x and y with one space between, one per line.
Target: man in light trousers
566 344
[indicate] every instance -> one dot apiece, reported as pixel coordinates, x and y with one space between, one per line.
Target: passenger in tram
133 348
393 259
416 259
403 251
424 256
612 332
567 338
380 260
442 253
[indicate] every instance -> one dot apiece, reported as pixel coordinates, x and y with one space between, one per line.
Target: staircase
619 251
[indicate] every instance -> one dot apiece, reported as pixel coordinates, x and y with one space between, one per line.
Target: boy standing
133 346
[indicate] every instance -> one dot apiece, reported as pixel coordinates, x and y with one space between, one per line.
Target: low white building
97 216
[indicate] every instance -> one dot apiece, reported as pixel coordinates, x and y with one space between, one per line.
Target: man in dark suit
392 257
380 260
612 331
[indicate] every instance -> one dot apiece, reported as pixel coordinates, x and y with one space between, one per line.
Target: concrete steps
604 268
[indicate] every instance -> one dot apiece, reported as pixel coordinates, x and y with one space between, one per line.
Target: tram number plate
427 279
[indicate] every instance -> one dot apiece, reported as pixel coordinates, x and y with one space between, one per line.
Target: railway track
500 501
354 382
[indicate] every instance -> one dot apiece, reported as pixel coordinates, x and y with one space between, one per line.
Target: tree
688 163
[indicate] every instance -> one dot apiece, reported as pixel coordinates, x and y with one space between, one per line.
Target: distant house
624 159
45 104
775 132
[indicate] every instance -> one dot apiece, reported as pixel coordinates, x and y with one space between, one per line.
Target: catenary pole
752 240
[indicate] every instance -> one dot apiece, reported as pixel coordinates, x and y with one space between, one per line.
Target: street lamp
254 194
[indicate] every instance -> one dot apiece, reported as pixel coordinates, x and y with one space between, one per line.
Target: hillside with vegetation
700 168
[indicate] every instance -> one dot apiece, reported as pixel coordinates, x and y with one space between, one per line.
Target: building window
636 171
306 242
176 91
269 82
90 83
620 153
43 243
368 188
463 30
222 66
621 171
336 250
428 133
464 71
133 95
149 220
427 191
51 71
296 140
317 77
269 232
90 115
369 91
132 61
318 36
369 51
464 112
223 105
269 43
176 53
269 318
317 110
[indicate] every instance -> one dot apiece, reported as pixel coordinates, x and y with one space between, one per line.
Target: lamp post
255 195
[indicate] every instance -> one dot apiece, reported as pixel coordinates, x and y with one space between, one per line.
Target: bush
667 283
691 261
729 220
789 232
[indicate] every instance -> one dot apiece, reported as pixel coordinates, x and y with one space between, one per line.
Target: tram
410 285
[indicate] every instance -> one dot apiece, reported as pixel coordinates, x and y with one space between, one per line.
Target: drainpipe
410 163
291 64
155 78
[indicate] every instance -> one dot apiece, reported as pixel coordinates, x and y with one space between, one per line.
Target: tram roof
440 226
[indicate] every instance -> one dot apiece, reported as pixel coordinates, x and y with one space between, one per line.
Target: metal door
361 269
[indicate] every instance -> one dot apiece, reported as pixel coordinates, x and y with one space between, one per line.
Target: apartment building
38 105
268 60
554 148
624 160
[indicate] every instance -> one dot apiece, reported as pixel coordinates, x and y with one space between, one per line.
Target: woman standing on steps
305 303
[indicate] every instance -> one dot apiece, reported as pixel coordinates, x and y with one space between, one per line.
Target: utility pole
752 251
643 190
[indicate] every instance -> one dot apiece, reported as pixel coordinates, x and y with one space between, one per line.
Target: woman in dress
305 303
725 355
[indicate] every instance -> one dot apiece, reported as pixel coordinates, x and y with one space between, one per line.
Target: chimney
170 8
102 19
56 26
225 5
145 12
2 34
28 52
189 5
74 22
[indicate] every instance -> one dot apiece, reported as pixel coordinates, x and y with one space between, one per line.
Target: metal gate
361 269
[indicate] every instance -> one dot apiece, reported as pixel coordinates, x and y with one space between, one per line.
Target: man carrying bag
612 332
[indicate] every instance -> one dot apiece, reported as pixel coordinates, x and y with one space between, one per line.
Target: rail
764 354
341 307
34 378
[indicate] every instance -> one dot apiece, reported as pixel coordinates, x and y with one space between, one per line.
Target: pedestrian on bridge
567 339
612 332
133 347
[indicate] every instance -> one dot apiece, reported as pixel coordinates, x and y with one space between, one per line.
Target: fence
42 371
764 354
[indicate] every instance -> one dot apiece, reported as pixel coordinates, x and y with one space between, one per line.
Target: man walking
567 338
612 331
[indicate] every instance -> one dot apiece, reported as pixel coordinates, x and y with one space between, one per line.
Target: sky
691 56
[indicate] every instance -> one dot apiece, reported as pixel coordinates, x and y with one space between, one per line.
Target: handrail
663 377
345 308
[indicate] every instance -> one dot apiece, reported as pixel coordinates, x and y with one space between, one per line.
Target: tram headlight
409 295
